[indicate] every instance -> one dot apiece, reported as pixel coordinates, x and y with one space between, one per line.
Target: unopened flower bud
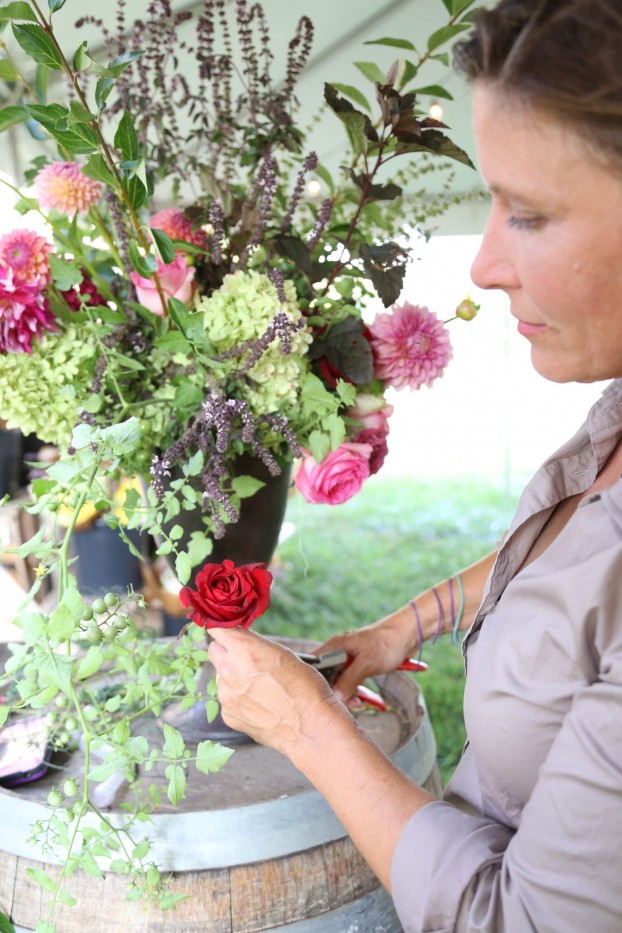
467 309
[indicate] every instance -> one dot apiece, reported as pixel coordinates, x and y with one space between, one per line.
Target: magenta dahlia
411 346
64 185
176 225
24 313
26 253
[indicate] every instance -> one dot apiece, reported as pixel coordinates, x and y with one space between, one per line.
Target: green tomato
93 634
54 798
63 739
99 606
37 828
71 723
111 599
61 701
70 787
87 615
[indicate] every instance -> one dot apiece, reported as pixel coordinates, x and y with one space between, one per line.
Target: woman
528 835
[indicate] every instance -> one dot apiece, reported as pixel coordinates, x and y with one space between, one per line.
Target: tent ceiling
340 31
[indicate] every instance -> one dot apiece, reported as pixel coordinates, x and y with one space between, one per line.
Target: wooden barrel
254 846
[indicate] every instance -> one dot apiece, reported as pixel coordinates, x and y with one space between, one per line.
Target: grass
347 566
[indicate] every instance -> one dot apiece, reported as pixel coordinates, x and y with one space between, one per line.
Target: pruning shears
332 663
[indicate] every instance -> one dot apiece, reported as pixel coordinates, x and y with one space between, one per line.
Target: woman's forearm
371 797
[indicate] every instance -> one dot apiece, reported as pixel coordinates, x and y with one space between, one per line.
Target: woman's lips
528 330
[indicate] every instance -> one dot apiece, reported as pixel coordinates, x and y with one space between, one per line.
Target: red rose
226 595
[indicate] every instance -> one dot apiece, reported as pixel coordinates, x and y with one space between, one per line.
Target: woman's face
553 241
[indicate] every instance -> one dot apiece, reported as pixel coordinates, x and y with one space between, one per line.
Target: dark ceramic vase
250 540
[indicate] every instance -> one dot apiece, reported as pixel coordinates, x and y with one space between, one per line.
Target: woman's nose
493 266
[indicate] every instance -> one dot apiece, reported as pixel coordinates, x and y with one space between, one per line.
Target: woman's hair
562 56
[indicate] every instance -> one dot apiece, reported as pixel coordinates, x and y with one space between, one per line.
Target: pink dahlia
24 313
175 223
64 185
411 346
26 253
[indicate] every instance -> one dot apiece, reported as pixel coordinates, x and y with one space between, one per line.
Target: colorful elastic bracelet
419 631
454 634
440 615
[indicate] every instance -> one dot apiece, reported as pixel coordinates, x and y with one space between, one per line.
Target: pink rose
338 477
372 412
176 279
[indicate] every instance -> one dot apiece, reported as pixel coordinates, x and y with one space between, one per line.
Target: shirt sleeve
561 870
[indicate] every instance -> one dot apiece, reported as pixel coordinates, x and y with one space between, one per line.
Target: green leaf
441 36
36 43
141 850
55 5
8 71
55 670
353 93
164 244
246 486
89 865
4 715
118 65
51 116
459 6
63 895
90 663
176 783
394 43
194 466
188 397
61 624
180 315
17 11
102 91
79 140
211 756
65 274
371 71
79 114
173 342
41 83
183 567
41 877
121 732
319 445
126 138
144 265
96 168
11 116
174 744
434 90
200 547
81 58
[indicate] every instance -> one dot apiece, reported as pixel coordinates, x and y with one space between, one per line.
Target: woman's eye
531 222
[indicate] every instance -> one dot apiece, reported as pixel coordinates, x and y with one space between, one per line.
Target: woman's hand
265 690
375 649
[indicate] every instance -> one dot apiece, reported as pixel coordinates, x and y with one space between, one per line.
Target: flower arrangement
234 320
175 300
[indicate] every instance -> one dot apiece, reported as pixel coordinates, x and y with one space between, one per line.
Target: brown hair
563 56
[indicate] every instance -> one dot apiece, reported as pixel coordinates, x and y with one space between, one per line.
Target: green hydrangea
41 392
242 309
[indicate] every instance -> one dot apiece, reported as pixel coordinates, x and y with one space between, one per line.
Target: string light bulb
436 111
313 188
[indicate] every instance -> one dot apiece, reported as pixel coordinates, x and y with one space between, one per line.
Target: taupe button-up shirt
536 843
